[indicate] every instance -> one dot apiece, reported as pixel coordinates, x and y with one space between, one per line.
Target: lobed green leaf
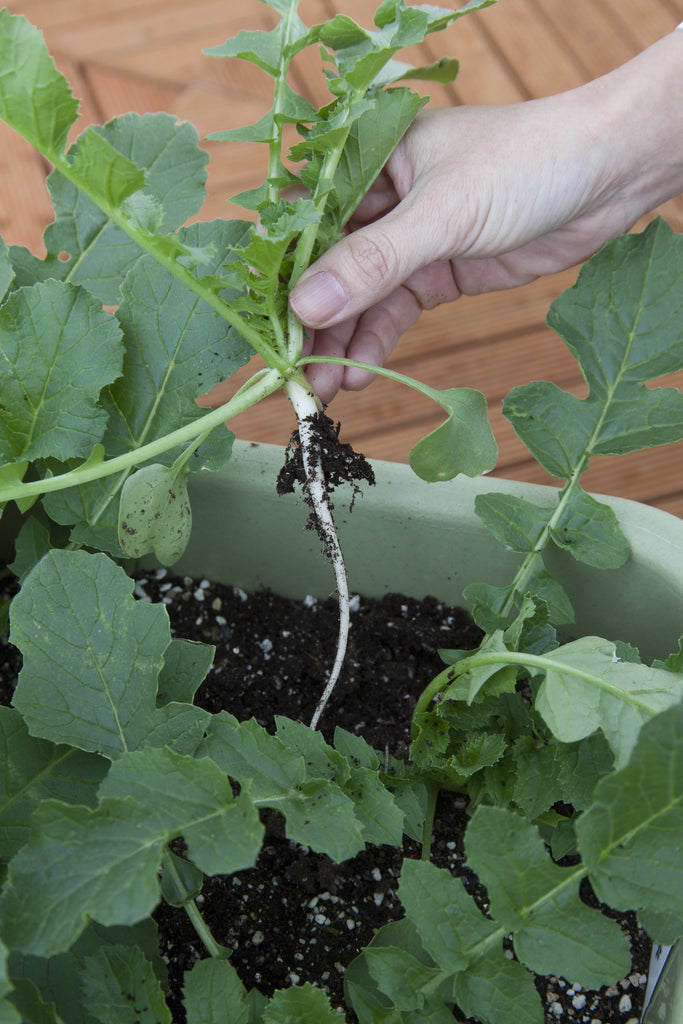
29 77
606 694
83 244
400 976
58 350
32 542
176 348
214 994
530 896
186 665
503 987
181 793
448 922
628 297
372 138
58 979
92 655
32 770
120 987
303 1004
463 444
630 837
548 771
113 879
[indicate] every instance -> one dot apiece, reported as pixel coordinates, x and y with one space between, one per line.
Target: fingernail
318 298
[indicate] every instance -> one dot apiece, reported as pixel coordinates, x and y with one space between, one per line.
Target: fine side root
316 485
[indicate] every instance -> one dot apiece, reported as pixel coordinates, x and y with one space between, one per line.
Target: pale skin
475 199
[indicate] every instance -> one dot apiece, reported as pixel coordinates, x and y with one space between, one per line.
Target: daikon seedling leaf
370 142
214 994
32 542
176 347
448 922
112 879
222 832
120 987
35 98
186 665
463 444
626 296
102 170
32 770
120 843
300 1004
99 252
58 979
501 989
92 655
155 513
601 692
400 976
538 901
58 350
630 838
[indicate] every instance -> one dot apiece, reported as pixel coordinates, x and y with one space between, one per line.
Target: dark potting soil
297 917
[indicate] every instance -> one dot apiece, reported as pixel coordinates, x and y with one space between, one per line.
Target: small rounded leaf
463 444
155 514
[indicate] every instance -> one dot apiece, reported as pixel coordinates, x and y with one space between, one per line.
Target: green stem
153 244
381 371
540 662
428 829
95 470
202 929
308 238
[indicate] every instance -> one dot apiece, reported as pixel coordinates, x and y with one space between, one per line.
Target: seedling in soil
135 181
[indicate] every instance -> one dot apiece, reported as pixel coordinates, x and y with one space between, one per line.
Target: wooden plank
25 206
597 42
104 33
116 93
539 61
48 13
672 503
642 23
483 76
478 317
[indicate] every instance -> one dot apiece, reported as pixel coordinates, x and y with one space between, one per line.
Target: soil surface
296 916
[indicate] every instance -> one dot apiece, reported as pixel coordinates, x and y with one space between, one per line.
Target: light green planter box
411 537
407 536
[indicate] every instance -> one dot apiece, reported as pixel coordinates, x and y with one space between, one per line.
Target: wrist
643 129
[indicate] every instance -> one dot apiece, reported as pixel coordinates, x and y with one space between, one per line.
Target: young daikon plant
103 424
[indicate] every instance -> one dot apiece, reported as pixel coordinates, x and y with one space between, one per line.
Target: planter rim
408 536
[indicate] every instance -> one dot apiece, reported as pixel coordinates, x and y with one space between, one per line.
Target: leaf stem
91 469
428 828
213 948
153 244
381 371
540 662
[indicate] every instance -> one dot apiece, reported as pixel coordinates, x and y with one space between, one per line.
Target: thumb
362 269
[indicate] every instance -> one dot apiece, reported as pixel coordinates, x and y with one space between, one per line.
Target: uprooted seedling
107 417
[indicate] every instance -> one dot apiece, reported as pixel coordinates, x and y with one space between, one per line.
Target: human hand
471 200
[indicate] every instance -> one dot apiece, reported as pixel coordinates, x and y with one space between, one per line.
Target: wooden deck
146 55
